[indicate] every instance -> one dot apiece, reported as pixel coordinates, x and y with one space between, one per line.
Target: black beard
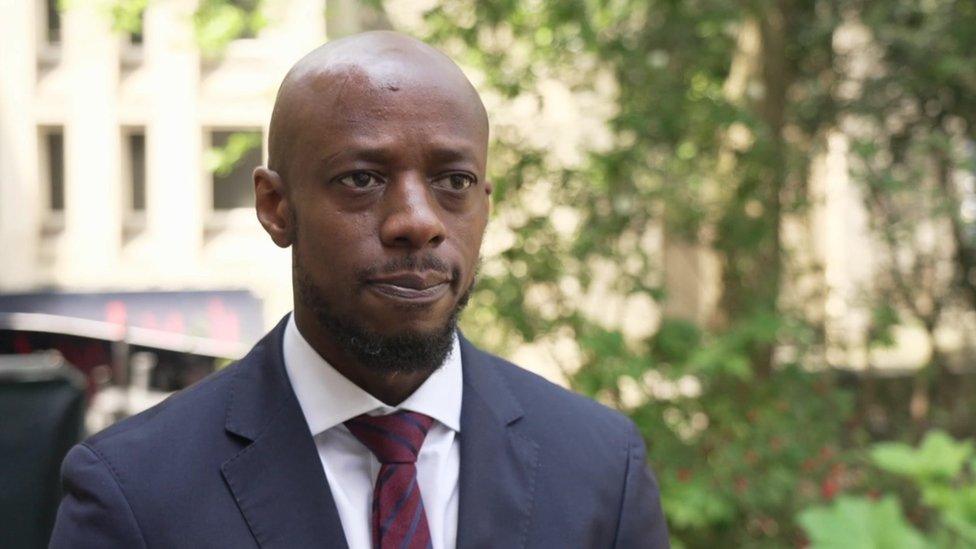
415 352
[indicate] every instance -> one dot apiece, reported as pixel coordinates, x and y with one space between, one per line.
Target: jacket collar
281 489
277 480
498 464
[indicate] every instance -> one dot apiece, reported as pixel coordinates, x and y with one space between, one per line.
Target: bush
942 475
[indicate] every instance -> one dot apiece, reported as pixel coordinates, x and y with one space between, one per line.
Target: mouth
412 287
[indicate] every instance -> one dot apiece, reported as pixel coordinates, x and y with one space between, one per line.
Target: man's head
376 178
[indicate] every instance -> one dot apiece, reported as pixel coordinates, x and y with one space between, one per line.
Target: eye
455 181
359 180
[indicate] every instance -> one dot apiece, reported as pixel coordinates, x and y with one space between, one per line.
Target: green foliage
217 22
941 470
675 340
939 458
860 523
758 440
692 505
884 318
736 447
222 160
912 120
721 421
127 15
729 352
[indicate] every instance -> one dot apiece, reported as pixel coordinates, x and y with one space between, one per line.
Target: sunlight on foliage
222 161
127 15
218 22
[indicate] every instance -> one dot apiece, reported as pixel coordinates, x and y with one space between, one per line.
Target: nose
412 217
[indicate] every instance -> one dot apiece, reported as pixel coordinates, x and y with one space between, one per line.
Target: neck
391 388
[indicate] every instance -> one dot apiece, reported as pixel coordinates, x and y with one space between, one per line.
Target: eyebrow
446 155
378 155
381 155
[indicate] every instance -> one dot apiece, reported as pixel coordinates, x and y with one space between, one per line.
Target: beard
408 352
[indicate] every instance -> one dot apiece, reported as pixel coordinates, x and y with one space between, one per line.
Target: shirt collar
327 398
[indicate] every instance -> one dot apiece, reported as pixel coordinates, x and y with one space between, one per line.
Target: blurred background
750 226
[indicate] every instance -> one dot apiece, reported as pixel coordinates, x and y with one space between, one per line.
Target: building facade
105 143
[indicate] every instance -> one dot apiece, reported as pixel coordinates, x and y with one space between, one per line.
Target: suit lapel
281 489
277 480
498 465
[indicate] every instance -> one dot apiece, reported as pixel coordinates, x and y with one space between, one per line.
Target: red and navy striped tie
399 520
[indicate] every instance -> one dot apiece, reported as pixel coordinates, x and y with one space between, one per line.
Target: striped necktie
399 520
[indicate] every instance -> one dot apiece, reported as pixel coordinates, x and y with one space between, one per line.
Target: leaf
957 505
962 526
219 26
218 22
222 160
938 457
860 523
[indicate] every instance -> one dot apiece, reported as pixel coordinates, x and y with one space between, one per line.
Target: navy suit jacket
230 462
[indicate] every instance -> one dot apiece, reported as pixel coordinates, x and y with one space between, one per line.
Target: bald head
376 64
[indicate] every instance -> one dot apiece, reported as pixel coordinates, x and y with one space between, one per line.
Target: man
363 419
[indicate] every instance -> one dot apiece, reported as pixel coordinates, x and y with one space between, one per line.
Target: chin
388 334
412 329
393 347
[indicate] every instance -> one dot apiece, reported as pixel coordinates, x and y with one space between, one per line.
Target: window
128 18
231 159
135 36
53 21
134 169
52 167
48 34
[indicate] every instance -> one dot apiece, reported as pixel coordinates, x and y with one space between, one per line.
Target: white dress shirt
328 399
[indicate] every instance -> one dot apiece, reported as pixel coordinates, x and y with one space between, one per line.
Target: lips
411 286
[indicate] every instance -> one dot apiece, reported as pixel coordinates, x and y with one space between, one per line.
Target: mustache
426 262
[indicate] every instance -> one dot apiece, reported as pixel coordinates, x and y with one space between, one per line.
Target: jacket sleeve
94 512
641 524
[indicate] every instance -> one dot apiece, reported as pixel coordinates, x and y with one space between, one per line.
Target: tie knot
394 438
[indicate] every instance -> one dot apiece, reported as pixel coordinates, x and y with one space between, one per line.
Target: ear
272 206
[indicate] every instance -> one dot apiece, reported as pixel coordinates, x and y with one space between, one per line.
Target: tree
913 117
718 106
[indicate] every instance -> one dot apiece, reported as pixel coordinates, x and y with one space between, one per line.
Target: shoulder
552 411
192 408
179 438
161 466
196 416
590 457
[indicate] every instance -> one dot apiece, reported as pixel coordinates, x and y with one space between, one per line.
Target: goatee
409 352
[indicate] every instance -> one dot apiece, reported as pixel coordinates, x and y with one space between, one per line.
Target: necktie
398 517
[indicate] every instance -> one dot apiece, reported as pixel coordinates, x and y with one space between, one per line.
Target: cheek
332 243
470 230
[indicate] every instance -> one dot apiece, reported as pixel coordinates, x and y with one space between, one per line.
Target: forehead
352 105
